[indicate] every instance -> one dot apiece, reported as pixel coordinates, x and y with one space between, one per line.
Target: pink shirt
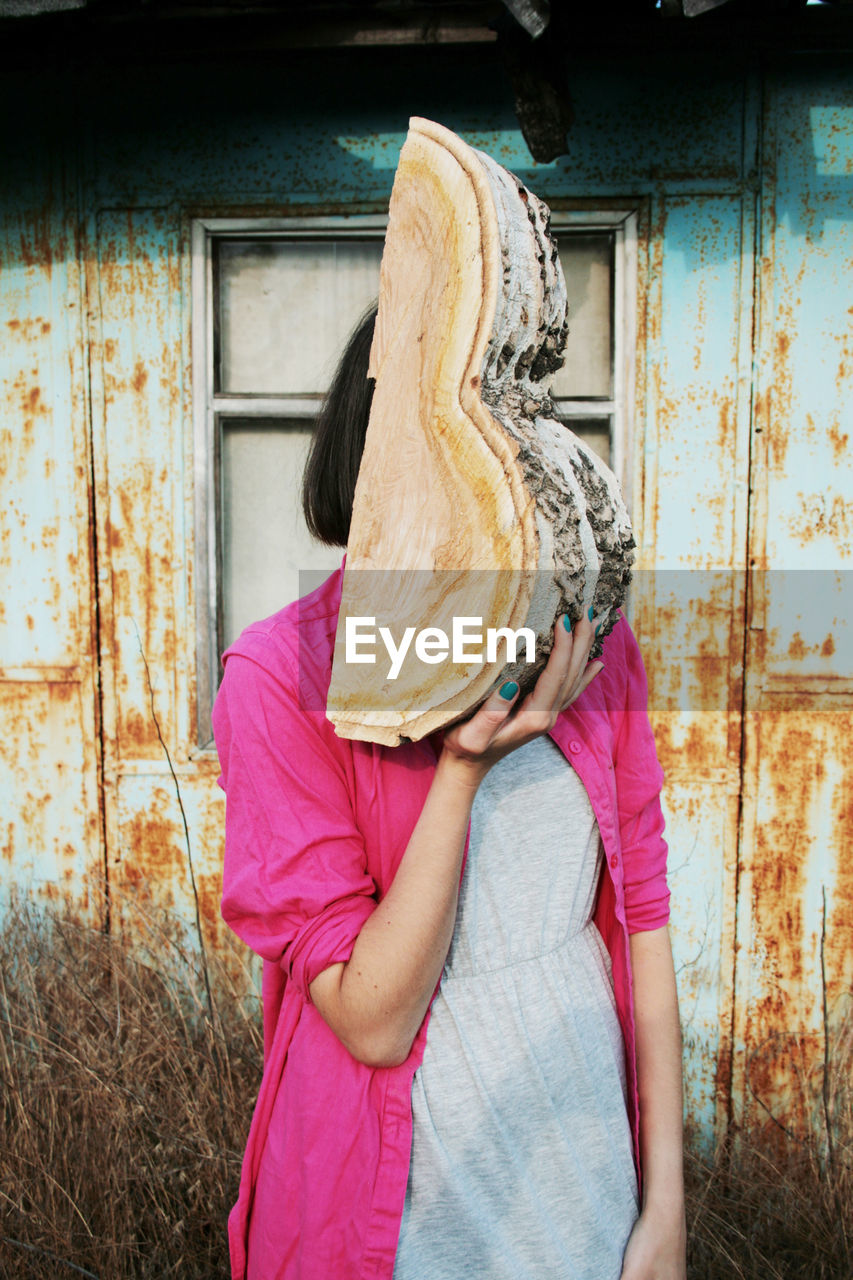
315 829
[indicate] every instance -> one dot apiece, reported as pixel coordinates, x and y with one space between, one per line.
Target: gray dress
522 1165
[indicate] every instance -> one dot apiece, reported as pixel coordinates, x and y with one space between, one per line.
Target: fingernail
566 623
589 613
509 690
598 629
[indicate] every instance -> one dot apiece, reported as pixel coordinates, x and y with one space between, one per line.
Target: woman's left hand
656 1248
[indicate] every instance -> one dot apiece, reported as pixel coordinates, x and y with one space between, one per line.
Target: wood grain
471 500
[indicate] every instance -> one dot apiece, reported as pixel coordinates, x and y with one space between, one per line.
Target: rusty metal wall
742 192
696 464
49 775
794 959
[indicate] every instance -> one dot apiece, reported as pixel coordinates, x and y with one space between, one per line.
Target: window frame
208 406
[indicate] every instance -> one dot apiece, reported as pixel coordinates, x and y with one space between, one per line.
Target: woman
500 1134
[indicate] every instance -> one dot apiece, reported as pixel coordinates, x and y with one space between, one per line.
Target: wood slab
472 501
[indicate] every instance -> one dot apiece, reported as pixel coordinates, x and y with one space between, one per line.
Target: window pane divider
310 227
585 408
236 406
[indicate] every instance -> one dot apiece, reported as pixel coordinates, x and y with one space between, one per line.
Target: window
593 392
273 303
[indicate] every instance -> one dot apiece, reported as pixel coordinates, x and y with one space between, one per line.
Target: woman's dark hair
331 470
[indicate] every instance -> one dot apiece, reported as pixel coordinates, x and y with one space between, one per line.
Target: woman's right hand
502 724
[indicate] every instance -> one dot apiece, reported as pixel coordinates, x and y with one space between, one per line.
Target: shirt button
614 862
575 747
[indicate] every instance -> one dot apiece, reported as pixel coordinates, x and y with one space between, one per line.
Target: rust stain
695 678
143 580
762 406
723 1076
838 957
209 895
824 515
126 502
839 441
779 423
138 734
33 401
140 377
657 232
780 1073
63 691
845 364
37 246
29 328
797 649
725 425
153 872
689 750
115 541
786 833
153 861
169 649
701 325
799 757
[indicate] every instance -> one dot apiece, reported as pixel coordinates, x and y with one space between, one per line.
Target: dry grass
125 1113
764 1214
778 1205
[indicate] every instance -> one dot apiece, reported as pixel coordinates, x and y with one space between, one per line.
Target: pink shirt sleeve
639 778
295 885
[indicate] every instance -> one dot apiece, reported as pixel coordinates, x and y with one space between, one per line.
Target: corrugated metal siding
741 450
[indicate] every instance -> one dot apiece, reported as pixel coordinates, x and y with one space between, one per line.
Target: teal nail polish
566 622
589 613
509 690
598 631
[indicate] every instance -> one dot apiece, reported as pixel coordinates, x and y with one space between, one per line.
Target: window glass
587 370
285 309
263 539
